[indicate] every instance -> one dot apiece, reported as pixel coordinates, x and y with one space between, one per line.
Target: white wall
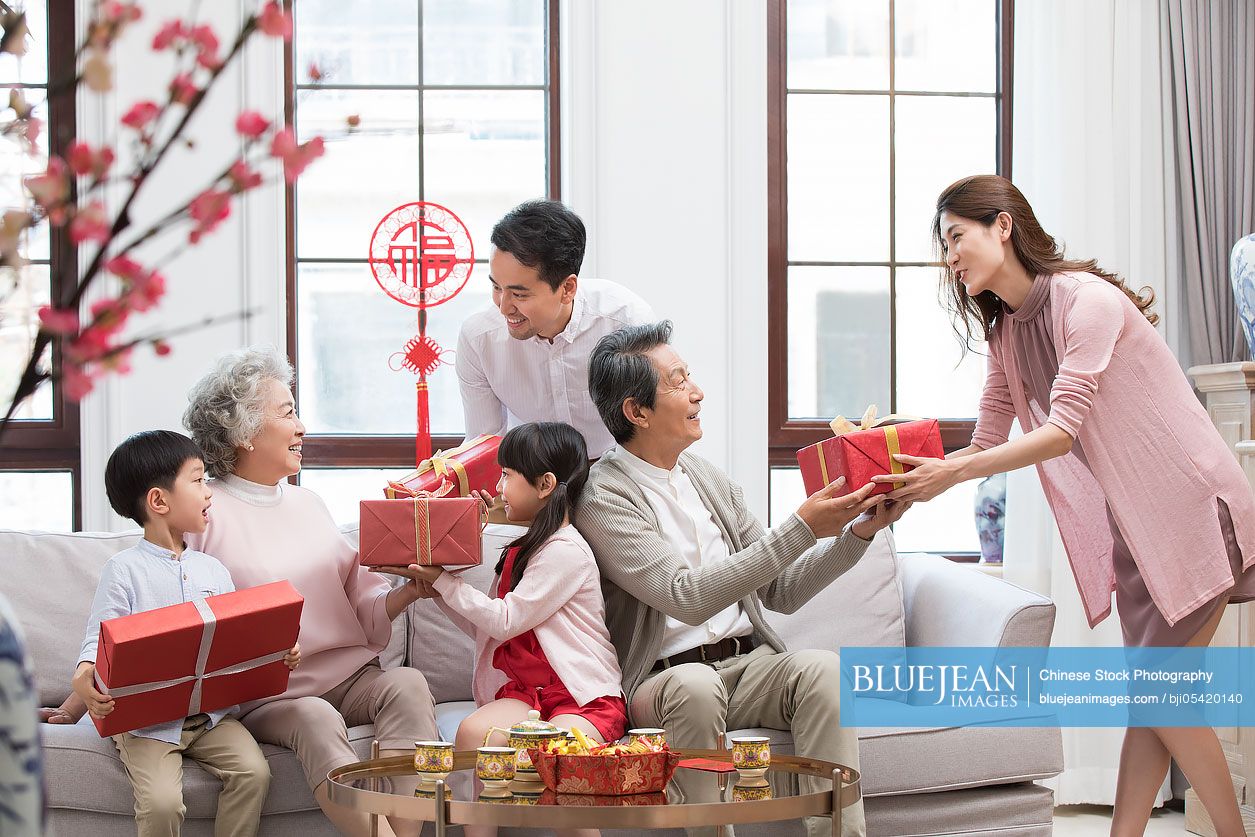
665 159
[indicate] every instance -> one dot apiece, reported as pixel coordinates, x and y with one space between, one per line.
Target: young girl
541 641
1148 498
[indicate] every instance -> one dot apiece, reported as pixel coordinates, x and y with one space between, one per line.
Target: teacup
433 759
495 766
751 792
751 755
653 736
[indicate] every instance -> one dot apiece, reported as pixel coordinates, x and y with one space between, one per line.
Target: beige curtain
1209 77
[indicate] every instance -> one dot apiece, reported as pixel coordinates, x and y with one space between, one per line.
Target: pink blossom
146 291
207 46
61 321
243 178
122 12
182 89
315 73
84 161
208 209
140 114
118 361
296 158
161 348
251 124
170 33
76 381
90 224
30 133
51 189
91 344
124 267
108 318
275 22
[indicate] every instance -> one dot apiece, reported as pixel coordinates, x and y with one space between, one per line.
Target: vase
1242 274
991 516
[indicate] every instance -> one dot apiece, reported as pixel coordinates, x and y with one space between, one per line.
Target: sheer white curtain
1089 155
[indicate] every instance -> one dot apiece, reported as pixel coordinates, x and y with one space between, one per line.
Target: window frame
55 445
397 451
786 435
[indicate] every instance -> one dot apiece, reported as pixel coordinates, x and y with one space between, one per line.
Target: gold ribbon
842 425
422 520
891 442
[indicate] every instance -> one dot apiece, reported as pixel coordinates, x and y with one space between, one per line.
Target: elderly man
687 569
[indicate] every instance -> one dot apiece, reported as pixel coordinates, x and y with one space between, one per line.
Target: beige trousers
226 751
798 690
397 701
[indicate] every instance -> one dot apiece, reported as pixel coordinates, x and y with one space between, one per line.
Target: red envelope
435 531
173 662
862 454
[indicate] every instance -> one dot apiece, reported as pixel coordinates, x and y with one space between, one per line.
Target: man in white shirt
526 359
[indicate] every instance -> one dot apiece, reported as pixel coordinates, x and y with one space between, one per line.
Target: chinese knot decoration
422 256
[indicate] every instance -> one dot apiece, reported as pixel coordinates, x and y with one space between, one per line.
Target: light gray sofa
916 781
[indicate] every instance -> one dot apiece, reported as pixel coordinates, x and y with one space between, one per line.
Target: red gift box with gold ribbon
177 661
860 452
471 466
427 530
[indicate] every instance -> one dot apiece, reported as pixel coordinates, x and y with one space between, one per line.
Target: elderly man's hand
828 514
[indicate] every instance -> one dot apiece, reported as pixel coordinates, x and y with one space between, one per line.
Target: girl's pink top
559 597
1154 455
265 533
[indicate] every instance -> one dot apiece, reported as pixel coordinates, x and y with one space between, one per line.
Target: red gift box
439 531
174 662
860 454
471 466
614 775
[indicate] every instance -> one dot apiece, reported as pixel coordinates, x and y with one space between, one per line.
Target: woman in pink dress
1149 500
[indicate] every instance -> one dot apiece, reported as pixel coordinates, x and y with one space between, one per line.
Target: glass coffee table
389 787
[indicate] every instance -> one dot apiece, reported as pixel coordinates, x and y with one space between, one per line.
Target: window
458 105
874 107
39 460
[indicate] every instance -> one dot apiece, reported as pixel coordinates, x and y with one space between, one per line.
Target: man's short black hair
620 368
151 459
545 235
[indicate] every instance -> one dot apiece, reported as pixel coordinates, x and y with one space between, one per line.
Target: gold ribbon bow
422 519
443 463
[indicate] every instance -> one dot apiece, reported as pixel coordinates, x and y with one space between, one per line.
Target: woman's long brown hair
981 198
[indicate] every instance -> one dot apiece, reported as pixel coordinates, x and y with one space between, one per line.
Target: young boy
157 478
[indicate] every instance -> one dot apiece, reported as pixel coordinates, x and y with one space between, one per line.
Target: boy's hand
98 704
293 658
884 514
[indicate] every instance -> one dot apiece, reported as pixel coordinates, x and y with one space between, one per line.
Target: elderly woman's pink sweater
265 533
1154 455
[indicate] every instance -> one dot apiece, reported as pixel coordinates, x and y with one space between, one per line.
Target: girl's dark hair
982 198
534 450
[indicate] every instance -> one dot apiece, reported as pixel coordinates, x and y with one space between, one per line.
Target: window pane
484 152
944 524
838 341
37 500
484 42
31 68
838 44
785 493
19 321
949 45
929 384
342 197
367 43
940 139
343 488
349 336
838 167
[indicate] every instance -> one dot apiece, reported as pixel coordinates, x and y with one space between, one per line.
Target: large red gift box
431 531
860 454
174 662
471 466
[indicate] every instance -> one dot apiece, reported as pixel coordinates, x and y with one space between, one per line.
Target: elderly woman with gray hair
263 529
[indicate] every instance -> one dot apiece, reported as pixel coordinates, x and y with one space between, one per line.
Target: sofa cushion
54 615
862 607
83 771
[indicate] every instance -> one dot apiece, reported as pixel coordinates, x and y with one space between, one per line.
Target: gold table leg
442 815
374 818
836 802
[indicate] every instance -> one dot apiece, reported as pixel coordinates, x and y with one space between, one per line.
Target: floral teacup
653 736
433 759
495 766
751 755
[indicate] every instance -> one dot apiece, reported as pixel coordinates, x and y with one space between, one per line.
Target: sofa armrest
952 604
